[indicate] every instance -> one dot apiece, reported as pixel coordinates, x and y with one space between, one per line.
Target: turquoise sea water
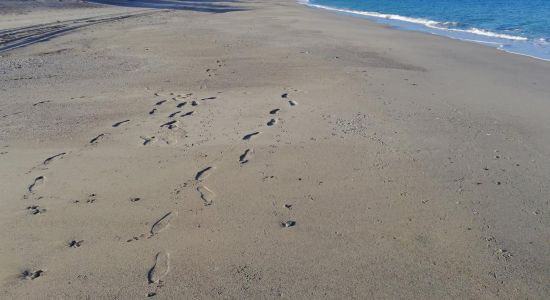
519 26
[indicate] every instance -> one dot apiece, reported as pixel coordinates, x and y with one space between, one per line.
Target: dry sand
412 166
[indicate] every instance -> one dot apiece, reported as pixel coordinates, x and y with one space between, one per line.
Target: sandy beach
266 150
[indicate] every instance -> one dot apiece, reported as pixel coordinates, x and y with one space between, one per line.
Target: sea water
517 26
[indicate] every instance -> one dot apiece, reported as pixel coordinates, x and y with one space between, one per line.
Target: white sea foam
428 23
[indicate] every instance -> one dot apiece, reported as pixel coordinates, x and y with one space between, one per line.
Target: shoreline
404 23
276 151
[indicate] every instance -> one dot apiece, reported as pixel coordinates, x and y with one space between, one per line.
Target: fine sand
261 150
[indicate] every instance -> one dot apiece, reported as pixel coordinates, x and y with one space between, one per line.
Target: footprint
97 138
243 159
204 173
170 124
208 98
41 102
160 268
194 103
37 183
250 135
289 223
75 243
57 156
160 102
147 140
31 275
187 113
206 195
292 103
120 123
272 122
154 110
162 223
285 95
35 209
174 114
181 104
274 111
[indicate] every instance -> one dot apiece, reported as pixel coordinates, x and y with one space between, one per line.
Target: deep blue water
518 26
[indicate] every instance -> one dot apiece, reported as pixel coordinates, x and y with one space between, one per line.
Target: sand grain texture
396 165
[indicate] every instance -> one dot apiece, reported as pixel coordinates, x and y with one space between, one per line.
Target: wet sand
271 151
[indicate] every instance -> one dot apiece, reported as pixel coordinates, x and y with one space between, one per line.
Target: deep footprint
97 138
49 159
35 209
170 125
274 111
162 223
160 268
180 105
245 157
154 110
206 195
174 114
272 122
147 140
250 135
75 243
292 103
37 183
120 123
31 275
204 173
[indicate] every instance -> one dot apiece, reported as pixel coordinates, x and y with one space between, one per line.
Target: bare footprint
37 183
204 173
162 223
120 123
187 114
206 195
170 124
51 158
147 140
41 102
250 135
75 243
31 275
272 122
174 114
160 268
288 224
97 138
245 157
35 209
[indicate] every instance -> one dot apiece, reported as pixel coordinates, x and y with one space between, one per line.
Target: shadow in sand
213 6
